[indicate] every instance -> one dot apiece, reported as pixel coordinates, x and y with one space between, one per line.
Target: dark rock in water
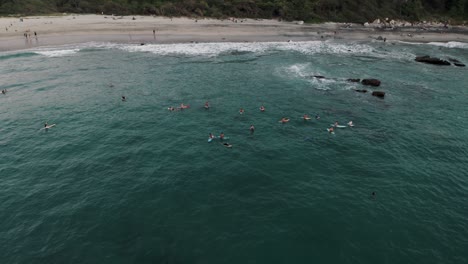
142 44
371 82
353 80
427 59
361 90
378 94
379 38
459 64
319 76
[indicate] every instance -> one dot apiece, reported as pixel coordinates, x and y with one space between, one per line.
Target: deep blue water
131 182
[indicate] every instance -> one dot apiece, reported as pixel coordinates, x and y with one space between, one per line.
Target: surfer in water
171 108
331 130
227 145
350 123
241 111
306 117
284 120
336 124
45 125
207 105
211 136
124 98
262 108
221 136
252 129
317 117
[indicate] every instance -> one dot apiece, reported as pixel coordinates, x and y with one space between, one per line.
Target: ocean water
131 182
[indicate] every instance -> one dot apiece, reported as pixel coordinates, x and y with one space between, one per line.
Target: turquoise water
131 182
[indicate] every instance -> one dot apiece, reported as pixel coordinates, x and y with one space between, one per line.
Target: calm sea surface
131 182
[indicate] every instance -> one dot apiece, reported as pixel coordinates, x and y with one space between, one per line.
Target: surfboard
49 126
307 118
339 126
211 139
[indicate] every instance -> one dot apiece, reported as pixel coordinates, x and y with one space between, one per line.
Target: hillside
307 10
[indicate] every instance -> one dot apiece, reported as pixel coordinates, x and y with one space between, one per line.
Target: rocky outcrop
371 82
378 94
430 60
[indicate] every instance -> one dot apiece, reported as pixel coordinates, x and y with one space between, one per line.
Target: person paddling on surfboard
207 105
221 136
124 98
330 130
284 120
211 136
227 145
306 117
241 111
317 117
350 123
262 108
252 129
336 124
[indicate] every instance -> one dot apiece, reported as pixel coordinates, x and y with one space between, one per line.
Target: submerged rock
378 94
430 60
371 82
361 90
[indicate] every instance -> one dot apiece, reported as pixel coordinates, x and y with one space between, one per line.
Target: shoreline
77 29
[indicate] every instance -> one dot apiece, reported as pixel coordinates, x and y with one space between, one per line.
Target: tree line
306 10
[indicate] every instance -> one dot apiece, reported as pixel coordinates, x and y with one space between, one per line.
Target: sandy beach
36 31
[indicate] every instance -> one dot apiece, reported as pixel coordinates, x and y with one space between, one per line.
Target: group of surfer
283 120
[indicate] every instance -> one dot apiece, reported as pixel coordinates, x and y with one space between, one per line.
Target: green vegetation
307 10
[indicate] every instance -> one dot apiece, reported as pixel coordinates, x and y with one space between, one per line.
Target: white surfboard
338 126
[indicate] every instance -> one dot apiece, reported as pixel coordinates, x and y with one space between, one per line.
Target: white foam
298 70
195 49
450 44
215 49
322 83
57 53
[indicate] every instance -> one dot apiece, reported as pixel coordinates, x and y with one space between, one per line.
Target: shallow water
131 182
